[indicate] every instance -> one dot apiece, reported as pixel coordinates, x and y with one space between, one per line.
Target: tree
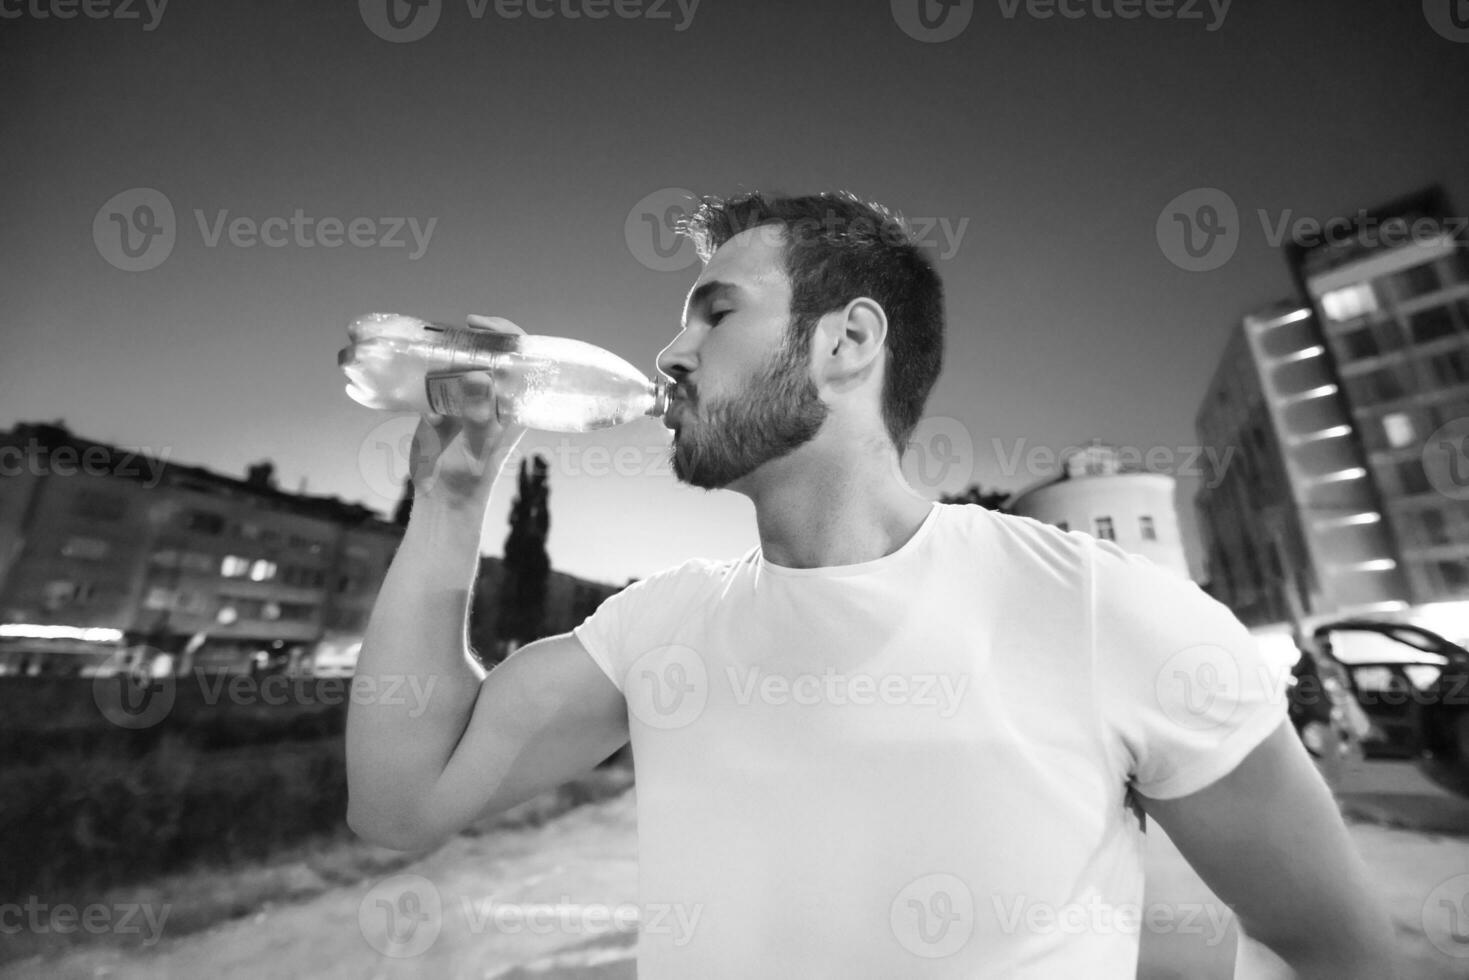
991 500
527 566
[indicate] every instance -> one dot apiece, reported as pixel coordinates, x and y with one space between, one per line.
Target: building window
1349 302
1432 527
1359 344
98 505
1453 574
159 598
1104 529
1450 368
249 531
262 571
204 522
233 566
63 592
1146 525
197 561
1430 325
85 549
1398 426
1417 281
270 611
1411 477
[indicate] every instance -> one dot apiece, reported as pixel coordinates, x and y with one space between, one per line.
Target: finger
479 398
495 323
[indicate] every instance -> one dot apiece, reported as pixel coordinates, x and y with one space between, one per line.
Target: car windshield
1362 646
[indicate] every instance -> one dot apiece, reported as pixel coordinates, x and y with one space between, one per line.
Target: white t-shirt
918 766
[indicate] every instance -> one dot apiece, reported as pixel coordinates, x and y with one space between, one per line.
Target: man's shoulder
692 573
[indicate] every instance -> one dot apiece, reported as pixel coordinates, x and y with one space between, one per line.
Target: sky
281 168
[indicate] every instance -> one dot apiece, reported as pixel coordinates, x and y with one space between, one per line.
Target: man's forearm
416 681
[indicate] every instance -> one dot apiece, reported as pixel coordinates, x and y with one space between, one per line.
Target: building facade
1332 404
100 546
1095 492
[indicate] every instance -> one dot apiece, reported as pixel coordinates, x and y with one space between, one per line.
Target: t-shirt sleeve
1181 684
641 617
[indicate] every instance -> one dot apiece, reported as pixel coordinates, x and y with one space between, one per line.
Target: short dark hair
838 248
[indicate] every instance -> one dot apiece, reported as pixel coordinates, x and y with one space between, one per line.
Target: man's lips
675 409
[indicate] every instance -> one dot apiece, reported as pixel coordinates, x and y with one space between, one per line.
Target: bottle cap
660 398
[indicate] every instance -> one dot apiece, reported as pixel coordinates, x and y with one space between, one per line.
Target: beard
779 412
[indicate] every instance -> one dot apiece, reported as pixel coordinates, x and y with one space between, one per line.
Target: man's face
744 394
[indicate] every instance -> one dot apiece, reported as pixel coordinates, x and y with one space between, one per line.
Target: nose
679 358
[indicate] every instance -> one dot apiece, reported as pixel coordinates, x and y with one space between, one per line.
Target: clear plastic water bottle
404 364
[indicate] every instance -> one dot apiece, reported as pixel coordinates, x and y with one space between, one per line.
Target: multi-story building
1291 521
100 547
1331 404
1392 297
1095 492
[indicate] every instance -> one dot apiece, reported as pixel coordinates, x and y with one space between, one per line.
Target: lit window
1349 302
262 571
1104 529
159 598
271 610
234 566
1149 533
1399 429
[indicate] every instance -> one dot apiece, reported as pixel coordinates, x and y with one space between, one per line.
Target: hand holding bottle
455 459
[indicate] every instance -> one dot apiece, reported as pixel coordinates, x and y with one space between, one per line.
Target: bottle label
445 393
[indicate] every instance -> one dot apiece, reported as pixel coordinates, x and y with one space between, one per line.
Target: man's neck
814 513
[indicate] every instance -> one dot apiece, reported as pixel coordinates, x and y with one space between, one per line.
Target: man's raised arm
433 741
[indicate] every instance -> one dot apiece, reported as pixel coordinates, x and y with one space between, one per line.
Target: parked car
1414 693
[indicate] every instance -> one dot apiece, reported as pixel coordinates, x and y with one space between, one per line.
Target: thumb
495 323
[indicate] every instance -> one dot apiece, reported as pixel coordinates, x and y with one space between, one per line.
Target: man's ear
849 342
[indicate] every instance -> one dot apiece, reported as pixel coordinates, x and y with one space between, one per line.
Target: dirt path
554 903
